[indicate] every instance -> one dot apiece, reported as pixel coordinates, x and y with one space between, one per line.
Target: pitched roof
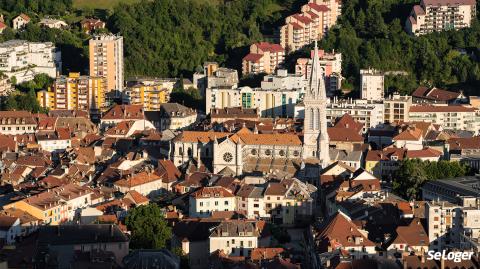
276 188
347 121
80 234
411 134
423 153
259 254
317 7
24 16
435 94
339 230
198 136
124 112
413 234
464 143
212 192
168 171
6 222
137 197
344 135
253 57
137 179
265 46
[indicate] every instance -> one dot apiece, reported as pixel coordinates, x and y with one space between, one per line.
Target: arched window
317 119
268 152
282 152
253 152
310 118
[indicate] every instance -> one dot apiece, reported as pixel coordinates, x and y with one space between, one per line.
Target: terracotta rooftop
253 57
124 112
339 230
212 192
344 135
411 134
137 179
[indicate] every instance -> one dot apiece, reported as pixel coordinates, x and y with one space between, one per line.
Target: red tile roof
253 57
212 192
340 231
411 134
347 121
317 7
423 153
435 94
124 112
344 135
137 179
464 143
265 46
303 19
168 171
412 235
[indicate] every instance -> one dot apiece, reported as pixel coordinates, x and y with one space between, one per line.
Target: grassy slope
100 4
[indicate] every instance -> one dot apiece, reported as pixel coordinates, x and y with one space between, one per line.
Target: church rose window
227 157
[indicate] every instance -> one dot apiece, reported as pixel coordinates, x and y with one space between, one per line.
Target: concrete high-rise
106 60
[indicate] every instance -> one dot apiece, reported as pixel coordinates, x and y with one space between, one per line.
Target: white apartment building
235 237
17 122
209 199
449 117
270 102
24 59
369 113
106 60
454 225
435 15
283 80
371 84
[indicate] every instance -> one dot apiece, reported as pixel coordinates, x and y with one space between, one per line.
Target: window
241 243
226 202
201 203
249 244
216 202
255 205
282 153
268 152
254 152
227 157
296 153
233 241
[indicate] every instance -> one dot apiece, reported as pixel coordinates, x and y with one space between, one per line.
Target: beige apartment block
106 60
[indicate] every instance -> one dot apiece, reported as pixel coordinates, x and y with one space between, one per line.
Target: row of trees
413 173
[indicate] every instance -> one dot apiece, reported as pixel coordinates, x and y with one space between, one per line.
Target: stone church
248 151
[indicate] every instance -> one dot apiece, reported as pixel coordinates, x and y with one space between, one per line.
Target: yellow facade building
150 96
74 92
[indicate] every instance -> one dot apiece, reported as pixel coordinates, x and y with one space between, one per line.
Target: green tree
148 227
413 173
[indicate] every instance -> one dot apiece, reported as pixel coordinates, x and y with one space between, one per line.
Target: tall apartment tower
371 84
106 59
316 140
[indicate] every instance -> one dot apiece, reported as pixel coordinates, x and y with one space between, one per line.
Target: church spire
316 140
